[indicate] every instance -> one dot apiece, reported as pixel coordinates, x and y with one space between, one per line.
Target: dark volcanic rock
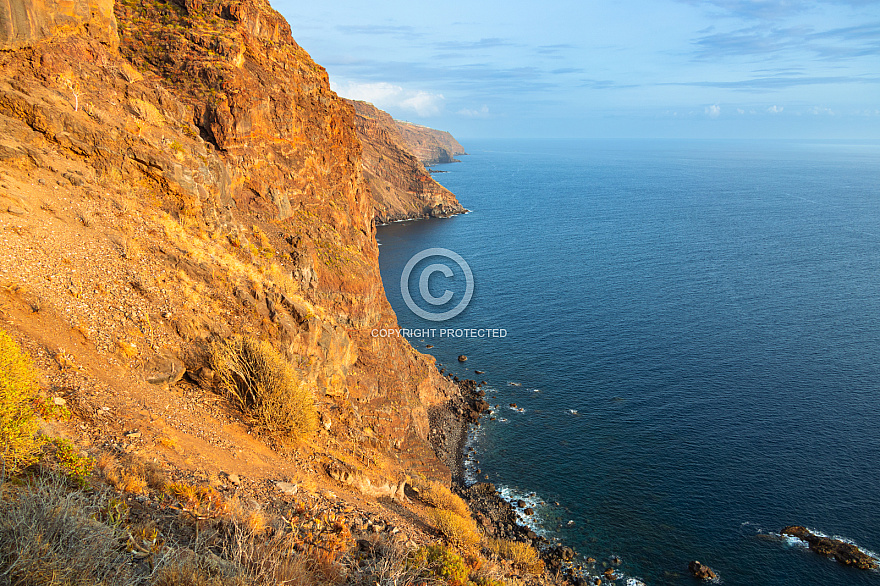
845 553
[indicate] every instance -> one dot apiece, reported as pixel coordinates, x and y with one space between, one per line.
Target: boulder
462 358
164 369
701 572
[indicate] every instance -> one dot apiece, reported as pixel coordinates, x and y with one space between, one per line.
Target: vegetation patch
438 561
19 446
437 495
459 531
265 387
521 555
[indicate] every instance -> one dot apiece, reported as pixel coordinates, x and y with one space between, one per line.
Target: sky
603 68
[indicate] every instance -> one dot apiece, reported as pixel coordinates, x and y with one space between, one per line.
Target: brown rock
163 369
845 553
432 147
701 571
27 22
401 186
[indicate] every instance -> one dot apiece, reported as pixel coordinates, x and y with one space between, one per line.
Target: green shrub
459 531
69 460
19 447
437 561
264 386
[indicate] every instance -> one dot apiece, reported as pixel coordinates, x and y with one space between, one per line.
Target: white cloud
481 113
775 109
713 111
387 96
816 110
740 111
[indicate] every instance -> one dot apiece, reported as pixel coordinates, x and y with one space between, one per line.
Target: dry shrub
521 555
264 386
437 495
200 502
49 537
278 560
191 574
389 564
132 474
459 531
19 447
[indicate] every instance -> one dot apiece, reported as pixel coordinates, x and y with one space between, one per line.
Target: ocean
689 332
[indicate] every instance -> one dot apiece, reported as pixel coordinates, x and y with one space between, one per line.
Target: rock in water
845 553
701 571
462 358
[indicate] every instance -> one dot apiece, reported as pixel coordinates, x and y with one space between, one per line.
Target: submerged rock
845 553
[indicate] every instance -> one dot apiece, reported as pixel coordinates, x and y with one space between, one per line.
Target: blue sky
599 68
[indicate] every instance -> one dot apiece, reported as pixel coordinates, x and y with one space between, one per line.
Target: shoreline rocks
449 432
845 553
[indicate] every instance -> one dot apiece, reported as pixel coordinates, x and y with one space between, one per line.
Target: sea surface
691 339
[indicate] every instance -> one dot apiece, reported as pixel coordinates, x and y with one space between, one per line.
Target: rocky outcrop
701 571
431 146
401 186
196 146
27 22
845 553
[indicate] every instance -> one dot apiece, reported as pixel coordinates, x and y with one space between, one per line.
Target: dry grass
265 387
52 536
459 531
389 564
200 502
438 496
132 475
49 537
19 447
521 555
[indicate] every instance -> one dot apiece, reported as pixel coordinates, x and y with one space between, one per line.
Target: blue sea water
694 329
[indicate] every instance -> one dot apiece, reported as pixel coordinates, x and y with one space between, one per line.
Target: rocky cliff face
431 146
26 22
172 172
402 188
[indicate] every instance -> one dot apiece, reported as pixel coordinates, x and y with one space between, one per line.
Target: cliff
430 146
401 186
172 173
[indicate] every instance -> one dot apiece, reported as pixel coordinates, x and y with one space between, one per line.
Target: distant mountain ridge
401 186
431 146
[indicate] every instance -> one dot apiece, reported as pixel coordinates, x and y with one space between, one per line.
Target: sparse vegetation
438 496
521 555
459 531
19 447
264 386
50 537
69 460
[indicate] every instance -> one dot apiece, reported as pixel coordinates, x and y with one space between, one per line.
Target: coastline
449 431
